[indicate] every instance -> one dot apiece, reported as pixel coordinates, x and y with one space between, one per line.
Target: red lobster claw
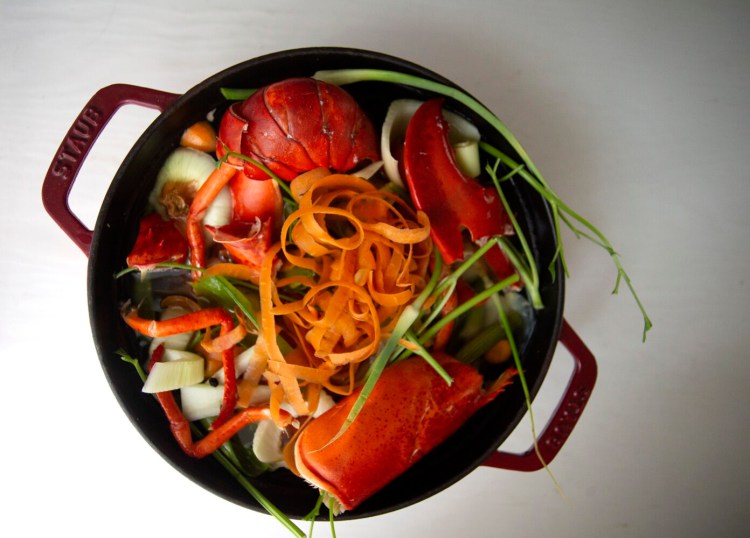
451 199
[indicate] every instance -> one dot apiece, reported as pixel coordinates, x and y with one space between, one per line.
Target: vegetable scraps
526 169
357 275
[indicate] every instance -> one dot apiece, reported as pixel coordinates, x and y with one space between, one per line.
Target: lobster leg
202 319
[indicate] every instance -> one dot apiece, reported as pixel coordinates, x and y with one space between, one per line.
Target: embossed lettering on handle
76 145
561 425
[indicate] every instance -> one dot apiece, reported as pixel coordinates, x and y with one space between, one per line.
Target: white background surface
638 112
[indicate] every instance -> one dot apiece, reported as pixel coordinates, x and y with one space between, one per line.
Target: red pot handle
76 145
566 416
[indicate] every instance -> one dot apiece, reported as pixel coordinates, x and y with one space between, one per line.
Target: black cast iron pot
475 444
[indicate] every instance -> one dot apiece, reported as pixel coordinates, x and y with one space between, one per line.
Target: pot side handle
76 145
566 416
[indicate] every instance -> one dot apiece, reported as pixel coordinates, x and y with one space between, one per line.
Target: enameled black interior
115 231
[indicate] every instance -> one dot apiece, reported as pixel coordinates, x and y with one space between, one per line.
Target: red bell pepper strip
193 321
450 199
156 356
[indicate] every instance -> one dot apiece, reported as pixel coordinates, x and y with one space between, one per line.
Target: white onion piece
463 136
241 362
165 376
201 401
267 442
368 171
187 169
183 166
467 157
394 130
178 355
219 213
325 402
261 396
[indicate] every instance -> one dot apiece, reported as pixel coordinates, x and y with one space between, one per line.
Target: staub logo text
77 142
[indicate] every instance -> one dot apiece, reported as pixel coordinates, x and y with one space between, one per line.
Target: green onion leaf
222 291
236 94
528 172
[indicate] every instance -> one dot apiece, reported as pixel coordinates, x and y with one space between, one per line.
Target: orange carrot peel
365 253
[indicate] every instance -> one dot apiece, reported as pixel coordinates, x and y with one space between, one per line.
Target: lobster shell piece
299 124
410 411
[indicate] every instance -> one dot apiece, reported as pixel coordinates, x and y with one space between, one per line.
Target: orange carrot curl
364 254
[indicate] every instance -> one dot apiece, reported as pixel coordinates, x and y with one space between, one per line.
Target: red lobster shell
296 125
410 411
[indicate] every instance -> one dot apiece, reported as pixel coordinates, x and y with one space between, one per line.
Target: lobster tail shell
230 134
299 124
410 411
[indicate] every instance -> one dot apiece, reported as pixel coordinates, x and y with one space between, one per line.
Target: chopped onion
201 401
241 362
176 374
180 177
325 402
267 442
368 171
394 132
219 213
467 157
463 136
261 396
171 355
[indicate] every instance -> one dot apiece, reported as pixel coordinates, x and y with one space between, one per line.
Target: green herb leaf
222 291
391 349
135 362
236 94
283 185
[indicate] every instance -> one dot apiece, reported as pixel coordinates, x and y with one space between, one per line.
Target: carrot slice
234 270
203 198
200 136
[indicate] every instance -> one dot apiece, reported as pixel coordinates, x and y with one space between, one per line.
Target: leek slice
267 442
171 355
201 401
166 376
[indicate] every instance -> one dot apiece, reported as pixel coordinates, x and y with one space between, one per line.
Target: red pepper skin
193 321
449 198
156 356
158 241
